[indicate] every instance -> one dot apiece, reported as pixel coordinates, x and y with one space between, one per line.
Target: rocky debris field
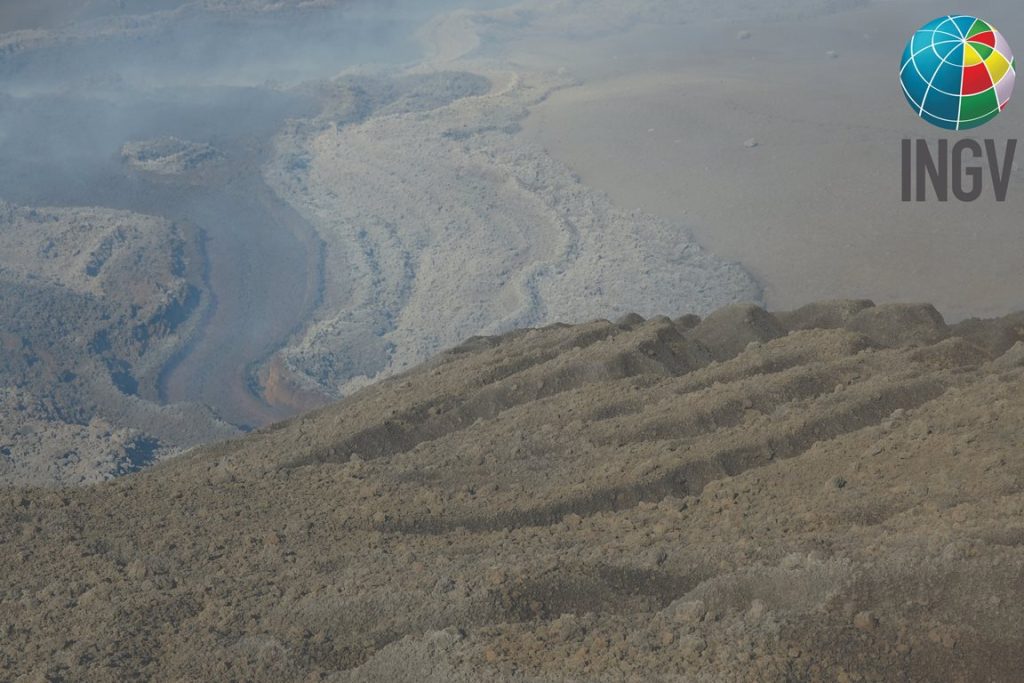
94 303
169 156
39 448
828 494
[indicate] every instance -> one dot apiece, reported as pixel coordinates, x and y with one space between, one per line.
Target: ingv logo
957 73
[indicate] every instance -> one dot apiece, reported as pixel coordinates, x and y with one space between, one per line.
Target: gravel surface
600 502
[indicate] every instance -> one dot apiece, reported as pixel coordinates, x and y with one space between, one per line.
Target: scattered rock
727 332
822 315
865 621
895 325
692 646
137 570
1012 359
690 612
757 611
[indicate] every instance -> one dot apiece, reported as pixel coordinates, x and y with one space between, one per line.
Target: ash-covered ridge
825 494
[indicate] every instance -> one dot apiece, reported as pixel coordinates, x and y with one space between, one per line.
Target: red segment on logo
976 80
986 38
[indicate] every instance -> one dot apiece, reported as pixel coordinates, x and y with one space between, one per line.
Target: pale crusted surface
438 224
87 250
39 449
459 33
595 502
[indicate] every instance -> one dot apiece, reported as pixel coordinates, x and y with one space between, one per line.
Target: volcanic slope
833 493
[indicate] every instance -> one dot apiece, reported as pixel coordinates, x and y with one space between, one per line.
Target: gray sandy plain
814 210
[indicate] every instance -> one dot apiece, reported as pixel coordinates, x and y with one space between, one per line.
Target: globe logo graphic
957 72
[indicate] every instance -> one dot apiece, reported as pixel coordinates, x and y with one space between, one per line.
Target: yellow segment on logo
997 66
971 56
